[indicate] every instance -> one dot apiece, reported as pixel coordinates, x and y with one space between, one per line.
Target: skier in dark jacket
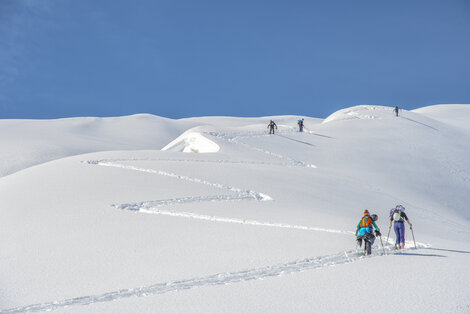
271 126
398 217
396 111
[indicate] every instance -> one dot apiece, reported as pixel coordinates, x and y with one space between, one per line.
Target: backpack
366 222
397 215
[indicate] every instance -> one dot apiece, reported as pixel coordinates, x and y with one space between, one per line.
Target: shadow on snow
447 250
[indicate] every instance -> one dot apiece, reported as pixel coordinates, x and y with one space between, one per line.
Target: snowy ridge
26 143
360 113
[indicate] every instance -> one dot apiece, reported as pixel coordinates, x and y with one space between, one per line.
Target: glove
377 233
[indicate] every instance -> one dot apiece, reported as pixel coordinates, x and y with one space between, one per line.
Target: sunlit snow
215 215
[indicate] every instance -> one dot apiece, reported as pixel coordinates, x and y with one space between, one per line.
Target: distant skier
301 125
398 217
396 111
271 126
364 231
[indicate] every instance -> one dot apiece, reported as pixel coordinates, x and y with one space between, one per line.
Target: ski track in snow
259 273
239 193
236 139
152 208
215 161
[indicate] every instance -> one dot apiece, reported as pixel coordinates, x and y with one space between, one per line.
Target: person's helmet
366 212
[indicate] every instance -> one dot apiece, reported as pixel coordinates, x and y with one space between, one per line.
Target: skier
364 230
301 125
396 111
398 216
271 126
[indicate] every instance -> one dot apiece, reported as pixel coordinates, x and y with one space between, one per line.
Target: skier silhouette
396 111
271 126
301 125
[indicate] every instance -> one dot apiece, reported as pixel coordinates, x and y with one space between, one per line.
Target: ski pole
388 235
382 244
413 236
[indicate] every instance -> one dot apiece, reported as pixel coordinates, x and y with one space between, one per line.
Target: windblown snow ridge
192 142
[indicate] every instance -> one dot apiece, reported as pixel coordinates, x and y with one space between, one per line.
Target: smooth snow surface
95 210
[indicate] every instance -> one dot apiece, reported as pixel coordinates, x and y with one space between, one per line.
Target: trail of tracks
211 280
238 193
152 209
236 138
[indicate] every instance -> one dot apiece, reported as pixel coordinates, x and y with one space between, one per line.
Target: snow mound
192 142
362 112
456 115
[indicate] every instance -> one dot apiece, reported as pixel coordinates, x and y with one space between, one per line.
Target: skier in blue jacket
365 226
301 125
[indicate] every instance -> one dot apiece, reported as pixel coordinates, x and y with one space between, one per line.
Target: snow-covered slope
455 115
29 142
243 222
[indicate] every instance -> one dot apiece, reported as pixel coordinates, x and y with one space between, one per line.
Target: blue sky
233 58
